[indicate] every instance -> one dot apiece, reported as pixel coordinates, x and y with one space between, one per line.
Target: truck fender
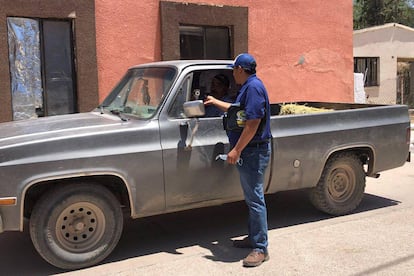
360 150
35 187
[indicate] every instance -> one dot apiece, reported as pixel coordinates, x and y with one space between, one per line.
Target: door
192 175
59 89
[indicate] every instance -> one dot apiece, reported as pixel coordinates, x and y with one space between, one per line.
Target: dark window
59 91
369 67
405 95
204 42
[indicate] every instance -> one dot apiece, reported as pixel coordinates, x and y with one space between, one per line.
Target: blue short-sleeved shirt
253 96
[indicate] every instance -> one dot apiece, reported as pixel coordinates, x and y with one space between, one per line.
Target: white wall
388 42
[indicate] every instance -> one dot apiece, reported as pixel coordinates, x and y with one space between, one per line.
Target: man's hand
210 100
233 156
245 137
223 106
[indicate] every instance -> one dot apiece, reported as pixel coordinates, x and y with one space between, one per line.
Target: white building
378 52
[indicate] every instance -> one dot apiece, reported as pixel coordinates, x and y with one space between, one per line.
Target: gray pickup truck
148 150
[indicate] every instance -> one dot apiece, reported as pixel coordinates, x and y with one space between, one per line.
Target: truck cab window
183 95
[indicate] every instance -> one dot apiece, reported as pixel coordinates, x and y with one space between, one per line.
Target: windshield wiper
101 107
119 114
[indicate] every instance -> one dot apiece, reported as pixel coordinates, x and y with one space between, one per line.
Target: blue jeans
252 171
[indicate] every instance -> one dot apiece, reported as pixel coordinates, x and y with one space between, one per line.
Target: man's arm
223 106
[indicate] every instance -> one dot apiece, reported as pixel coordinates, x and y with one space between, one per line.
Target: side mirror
194 109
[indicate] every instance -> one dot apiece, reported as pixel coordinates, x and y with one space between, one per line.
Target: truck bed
308 140
275 107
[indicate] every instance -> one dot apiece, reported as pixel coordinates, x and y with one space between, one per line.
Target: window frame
370 69
174 14
198 79
176 109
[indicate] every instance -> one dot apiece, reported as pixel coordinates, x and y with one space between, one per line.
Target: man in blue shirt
250 149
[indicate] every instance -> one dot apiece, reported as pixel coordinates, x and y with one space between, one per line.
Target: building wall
281 34
391 43
303 48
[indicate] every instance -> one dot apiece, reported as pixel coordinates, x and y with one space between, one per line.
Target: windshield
140 92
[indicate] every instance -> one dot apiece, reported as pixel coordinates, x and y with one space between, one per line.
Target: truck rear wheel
341 186
76 226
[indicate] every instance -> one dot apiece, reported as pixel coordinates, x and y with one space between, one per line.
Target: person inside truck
220 90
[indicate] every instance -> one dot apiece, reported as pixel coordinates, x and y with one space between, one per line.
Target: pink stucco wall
281 33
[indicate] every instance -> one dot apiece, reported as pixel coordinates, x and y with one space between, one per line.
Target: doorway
42 67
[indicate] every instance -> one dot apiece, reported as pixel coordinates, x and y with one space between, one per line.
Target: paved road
378 239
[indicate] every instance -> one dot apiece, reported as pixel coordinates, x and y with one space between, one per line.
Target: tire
76 226
341 186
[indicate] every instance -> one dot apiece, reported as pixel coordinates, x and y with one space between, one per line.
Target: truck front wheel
76 226
341 186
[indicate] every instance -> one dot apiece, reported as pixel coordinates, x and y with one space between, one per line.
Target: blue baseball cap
245 61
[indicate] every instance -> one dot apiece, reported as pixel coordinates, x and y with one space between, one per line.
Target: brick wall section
280 33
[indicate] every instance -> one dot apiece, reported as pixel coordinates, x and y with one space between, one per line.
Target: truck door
192 175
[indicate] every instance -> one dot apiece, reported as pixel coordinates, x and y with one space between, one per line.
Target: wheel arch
116 184
365 153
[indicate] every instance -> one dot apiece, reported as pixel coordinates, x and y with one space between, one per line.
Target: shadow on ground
212 228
